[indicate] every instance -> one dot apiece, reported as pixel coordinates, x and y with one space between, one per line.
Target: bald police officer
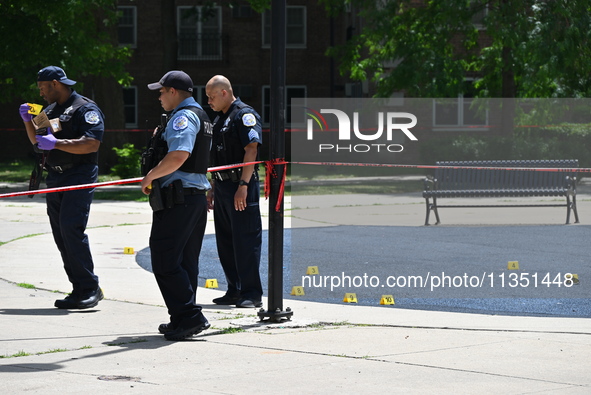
237 135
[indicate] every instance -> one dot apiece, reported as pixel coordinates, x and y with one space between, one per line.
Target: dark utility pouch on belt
173 194
161 198
167 196
155 197
178 194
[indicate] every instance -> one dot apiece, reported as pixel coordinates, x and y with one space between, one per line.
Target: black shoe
82 300
249 303
91 299
226 300
165 328
69 302
184 331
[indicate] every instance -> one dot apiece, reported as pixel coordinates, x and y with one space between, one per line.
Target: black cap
51 73
174 79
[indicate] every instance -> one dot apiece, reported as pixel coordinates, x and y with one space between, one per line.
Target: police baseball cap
51 73
174 79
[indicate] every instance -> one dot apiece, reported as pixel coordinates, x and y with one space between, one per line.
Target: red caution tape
550 169
72 188
109 183
271 172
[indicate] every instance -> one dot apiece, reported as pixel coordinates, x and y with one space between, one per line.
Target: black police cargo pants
68 215
239 238
175 244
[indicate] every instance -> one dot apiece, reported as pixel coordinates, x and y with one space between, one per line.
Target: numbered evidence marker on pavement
387 299
211 283
350 298
312 270
297 291
128 250
513 265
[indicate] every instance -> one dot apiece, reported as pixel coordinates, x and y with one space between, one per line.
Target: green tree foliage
128 162
78 35
514 48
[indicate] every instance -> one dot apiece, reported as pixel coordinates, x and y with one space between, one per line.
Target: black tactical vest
227 147
197 162
60 158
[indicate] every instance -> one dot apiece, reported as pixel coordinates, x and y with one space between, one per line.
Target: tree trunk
508 93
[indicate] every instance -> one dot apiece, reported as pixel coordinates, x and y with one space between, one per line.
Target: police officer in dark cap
71 158
237 135
179 219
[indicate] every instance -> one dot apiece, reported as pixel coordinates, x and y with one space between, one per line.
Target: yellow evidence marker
387 299
35 109
297 291
350 298
312 270
128 250
211 283
513 265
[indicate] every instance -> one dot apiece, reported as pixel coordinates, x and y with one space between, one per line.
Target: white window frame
199 94
133 26
266 28
478 17
133 106
199 31
462 125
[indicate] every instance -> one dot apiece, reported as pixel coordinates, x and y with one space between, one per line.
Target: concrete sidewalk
325 348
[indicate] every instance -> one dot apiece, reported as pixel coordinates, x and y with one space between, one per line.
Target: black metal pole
277 153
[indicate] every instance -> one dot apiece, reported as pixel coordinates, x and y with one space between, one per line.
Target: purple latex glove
24 111
47 142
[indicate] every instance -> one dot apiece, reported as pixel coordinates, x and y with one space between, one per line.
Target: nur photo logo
379 128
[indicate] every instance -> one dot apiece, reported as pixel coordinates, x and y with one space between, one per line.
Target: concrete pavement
325 348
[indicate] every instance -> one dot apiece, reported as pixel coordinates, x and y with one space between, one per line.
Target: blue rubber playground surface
497 270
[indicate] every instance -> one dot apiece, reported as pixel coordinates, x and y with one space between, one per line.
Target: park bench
476 179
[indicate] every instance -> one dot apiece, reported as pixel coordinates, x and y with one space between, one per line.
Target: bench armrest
430 183
571 182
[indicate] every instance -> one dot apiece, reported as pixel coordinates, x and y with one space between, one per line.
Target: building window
199 95
127 26
480 12
295 27
291 92
460 113
200 33
242 11
201 98
130 106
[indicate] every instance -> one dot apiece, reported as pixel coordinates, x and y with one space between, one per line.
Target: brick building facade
232 41
204 40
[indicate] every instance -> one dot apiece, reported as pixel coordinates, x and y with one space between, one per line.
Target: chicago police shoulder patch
92 117
180 123
249 120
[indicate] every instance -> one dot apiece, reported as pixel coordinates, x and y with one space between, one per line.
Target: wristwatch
242 182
